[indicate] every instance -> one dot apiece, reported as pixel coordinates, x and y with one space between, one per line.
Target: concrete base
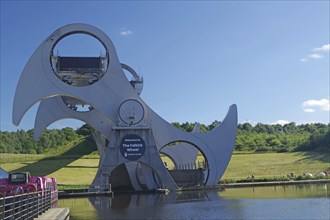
55 214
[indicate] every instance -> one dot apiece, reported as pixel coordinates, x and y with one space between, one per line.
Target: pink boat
23 182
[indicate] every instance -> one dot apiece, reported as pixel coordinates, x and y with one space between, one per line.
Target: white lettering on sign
131 140
132 147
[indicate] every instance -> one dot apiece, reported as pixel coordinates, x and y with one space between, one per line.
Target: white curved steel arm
106 95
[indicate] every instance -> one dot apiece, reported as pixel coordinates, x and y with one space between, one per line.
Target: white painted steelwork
106 96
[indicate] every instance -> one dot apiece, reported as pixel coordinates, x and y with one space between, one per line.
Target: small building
3 173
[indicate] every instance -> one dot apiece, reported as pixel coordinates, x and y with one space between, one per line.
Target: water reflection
298 202
160 206
128 201
271 192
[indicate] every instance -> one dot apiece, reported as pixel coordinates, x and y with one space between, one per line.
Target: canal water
276 202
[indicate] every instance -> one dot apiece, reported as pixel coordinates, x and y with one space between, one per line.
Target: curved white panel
53 109
106 95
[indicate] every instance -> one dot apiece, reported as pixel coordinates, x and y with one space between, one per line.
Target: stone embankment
55 214
275 183
67 194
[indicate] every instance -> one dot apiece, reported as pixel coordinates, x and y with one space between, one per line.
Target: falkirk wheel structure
129 135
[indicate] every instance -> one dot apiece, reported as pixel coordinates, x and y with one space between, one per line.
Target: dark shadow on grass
315 156
49 165
81 167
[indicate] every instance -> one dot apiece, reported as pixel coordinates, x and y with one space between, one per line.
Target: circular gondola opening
79 59
186 163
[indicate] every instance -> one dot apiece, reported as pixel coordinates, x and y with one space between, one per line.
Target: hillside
72 157
78 163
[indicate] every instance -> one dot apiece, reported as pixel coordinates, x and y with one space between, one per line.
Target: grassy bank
75 163
269 165
78 164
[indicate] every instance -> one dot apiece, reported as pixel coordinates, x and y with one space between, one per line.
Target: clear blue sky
271 58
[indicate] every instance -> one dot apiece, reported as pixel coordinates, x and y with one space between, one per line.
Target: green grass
66 172
268 165
13 158
76 164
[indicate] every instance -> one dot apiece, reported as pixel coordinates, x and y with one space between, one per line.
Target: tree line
253 138
283 138
23 142
275 138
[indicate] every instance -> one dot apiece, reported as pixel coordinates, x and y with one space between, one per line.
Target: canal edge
55 214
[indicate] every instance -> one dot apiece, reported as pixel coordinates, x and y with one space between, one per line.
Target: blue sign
132 147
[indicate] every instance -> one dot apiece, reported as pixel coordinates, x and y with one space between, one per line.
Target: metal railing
25 206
